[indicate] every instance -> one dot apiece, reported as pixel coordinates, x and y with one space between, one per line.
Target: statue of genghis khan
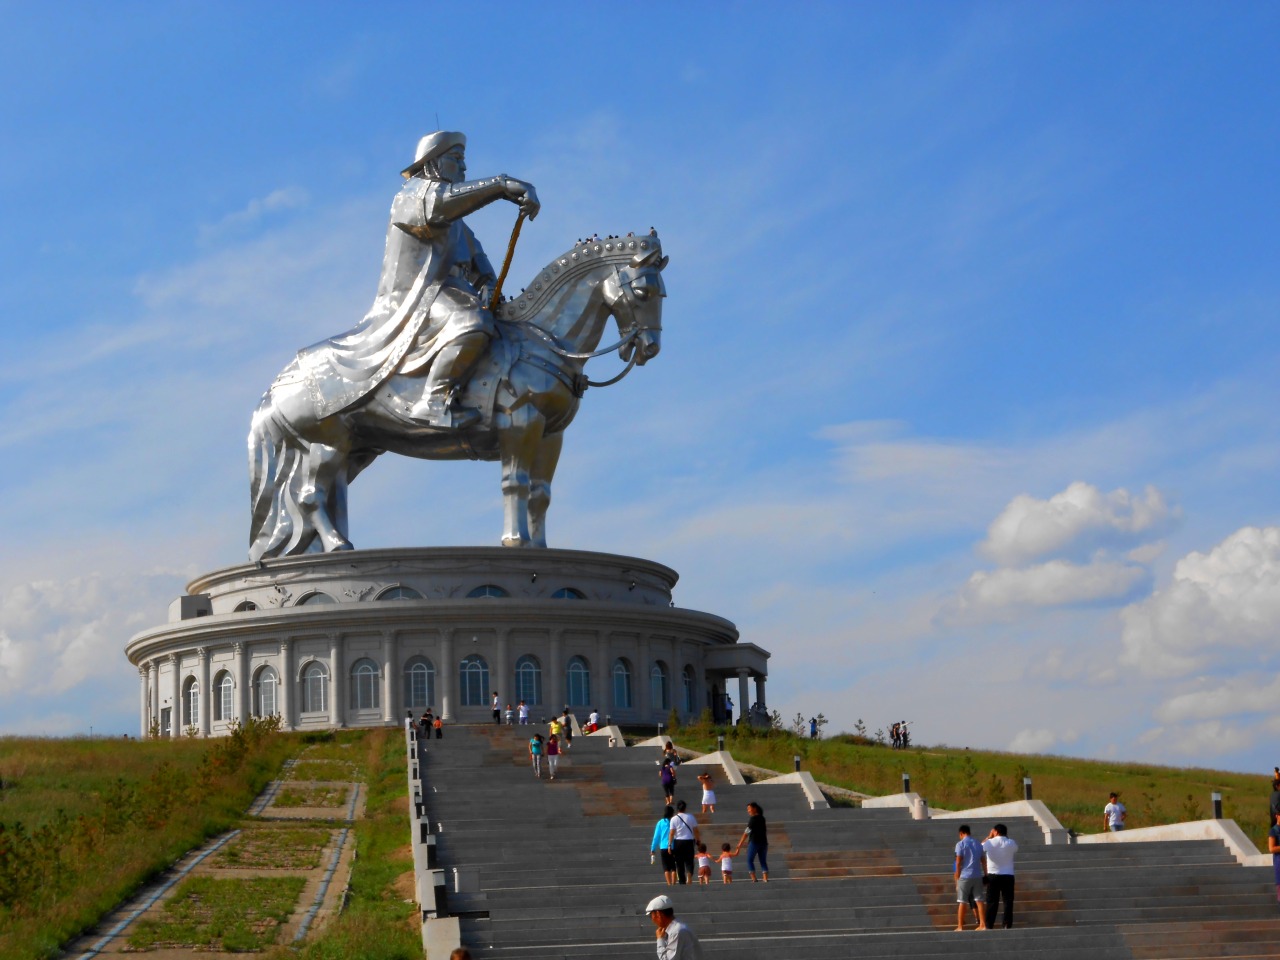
432 306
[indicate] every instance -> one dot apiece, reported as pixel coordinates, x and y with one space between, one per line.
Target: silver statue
433 372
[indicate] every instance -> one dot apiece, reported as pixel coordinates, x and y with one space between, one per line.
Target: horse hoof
514 542
344 545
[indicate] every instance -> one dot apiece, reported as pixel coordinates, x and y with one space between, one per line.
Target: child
704 865
708 794
439 727
553 755
726 863
535 754
509 716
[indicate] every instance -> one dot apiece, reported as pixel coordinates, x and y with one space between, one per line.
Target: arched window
659 686
488 590
568 593
315 599
578 682
419 683
265 683
473 677
621 685
244 605
190 702
399 593
690 690
365 681
529 680
223 686
314 688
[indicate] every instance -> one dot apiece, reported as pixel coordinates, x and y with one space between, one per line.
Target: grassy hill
953 778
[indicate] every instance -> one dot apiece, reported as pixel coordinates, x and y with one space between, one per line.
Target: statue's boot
449 370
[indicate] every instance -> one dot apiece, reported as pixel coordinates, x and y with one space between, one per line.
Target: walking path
281 874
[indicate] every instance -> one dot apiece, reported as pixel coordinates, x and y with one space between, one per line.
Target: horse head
635 294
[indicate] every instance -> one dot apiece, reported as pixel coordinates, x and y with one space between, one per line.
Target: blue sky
966 406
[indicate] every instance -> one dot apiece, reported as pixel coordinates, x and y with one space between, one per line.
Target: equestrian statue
442 367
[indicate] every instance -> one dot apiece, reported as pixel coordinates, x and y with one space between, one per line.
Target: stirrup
436 413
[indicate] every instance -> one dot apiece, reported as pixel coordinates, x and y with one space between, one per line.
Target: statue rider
432 302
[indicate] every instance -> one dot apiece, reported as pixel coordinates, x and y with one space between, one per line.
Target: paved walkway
299 826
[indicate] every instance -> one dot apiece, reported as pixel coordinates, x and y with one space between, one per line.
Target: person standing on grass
971 864
999 849
708 793
553 754
757 840
535 754
675 940
1113 814
685 838
661 845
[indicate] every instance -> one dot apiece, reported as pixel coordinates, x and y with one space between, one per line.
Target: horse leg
518 440
323 492
544 468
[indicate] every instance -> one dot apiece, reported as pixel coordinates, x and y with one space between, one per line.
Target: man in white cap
432 304
675 940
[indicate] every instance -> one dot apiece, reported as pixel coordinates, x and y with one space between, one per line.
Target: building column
284 691
503 679
175 707
202 680
337 688
448 676
643 690
144 697
553 681
155 695
743 693
764 704
242 682
602 677
389 710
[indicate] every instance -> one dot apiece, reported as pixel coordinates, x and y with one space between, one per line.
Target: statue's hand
524 195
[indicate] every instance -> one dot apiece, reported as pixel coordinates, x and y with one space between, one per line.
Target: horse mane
574 263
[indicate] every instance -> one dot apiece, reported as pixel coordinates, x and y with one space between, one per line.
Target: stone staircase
561 869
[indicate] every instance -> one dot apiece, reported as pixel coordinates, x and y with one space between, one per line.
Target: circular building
360 638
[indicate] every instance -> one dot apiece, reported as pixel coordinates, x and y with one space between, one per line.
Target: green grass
215 914
954 778
274 848
83 823
377 924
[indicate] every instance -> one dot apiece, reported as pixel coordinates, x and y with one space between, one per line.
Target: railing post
1026 788
906 782
1216 799
796 760
720 743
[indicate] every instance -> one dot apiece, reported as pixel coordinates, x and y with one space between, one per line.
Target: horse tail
279 525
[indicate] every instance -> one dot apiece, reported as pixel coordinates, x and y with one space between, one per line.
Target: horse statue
527 386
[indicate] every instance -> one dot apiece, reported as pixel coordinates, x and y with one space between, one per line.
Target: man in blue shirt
971 864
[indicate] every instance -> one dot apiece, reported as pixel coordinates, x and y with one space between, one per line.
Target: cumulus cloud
1220 610
1056 583
1040 740
1078 520
1215 700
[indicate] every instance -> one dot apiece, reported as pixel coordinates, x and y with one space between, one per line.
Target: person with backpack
667 774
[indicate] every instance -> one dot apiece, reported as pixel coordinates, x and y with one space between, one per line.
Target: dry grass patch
319 795
274 848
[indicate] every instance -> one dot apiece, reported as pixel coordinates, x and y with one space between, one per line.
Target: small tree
996 790
775 720
822 722
798 724
673 721
880 738
860 728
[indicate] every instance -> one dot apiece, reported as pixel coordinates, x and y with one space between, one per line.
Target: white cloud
1040 740
1231 698
1079 519
1056 583
285 198
1221 609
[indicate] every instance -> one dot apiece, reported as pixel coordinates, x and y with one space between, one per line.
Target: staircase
561 869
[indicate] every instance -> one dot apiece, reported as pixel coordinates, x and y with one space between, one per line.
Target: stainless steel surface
431 373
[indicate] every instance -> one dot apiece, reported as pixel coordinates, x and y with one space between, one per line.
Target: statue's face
452 165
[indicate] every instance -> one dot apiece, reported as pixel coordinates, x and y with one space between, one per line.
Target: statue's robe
410 320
